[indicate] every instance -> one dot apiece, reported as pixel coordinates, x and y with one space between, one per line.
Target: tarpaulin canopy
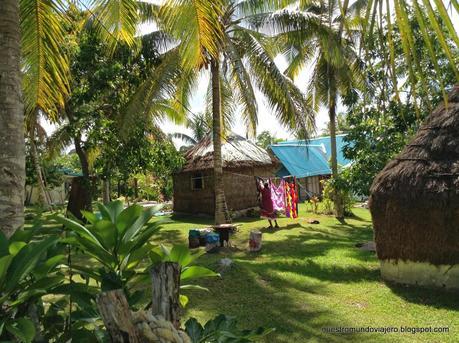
303 159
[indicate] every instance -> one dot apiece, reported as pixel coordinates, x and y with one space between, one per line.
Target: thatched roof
429 165
415 199
237 152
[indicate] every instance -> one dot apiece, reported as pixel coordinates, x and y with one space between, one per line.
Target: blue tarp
311 158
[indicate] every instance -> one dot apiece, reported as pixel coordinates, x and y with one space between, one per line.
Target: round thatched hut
415 205
242 160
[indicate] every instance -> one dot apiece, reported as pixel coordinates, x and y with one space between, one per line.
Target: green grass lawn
308 277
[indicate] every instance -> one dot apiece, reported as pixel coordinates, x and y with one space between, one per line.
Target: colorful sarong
278 197
291 199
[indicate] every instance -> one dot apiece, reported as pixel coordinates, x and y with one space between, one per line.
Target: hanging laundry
291 199
278 197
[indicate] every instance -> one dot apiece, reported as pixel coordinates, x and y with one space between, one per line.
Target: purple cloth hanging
277 196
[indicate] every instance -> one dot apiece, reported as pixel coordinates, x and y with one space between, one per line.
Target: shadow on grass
438 298
169 236
271 230
260 298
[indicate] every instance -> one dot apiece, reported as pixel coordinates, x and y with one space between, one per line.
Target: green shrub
27 272
339 187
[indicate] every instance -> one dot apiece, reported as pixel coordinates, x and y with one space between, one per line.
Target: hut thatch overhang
237 152
414 204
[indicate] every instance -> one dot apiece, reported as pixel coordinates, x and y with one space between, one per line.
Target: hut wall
240 187
240 190
197 201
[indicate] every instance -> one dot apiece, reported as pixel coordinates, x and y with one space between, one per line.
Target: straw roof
237 152
415 199
429 164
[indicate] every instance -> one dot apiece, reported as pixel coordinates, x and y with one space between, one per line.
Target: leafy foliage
27 272
378 130
117 238
182 255
45 62
222 329
245 53
265 139
337 188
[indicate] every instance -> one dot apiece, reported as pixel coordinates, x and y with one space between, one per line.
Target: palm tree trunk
42 196
337 198
12 145
221 209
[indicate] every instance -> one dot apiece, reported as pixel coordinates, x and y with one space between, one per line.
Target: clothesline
261 177
251 176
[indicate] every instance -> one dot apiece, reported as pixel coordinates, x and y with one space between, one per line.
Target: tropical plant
265 139
378 130
117 238
337 68
182 255
27 272
341 187
224 36
222 329
199 124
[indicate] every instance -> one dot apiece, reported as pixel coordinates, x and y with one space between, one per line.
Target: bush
339 186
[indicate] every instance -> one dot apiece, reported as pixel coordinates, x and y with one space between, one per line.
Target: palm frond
243 85
184 138
286 100
116 21
200 124
148 11
152 98
45 64
196 24
59 139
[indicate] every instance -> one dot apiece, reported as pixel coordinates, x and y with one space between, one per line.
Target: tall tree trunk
136 189
337 196
221 209
106 190
12 145
81 156
43 199
81 192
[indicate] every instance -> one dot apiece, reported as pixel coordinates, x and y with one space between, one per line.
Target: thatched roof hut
415 204
242 160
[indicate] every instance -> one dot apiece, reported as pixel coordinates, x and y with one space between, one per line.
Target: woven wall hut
242 159
415 205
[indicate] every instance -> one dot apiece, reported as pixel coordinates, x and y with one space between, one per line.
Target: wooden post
114 310
166 285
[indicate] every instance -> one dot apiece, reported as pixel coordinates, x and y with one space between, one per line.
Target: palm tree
199 125
336 66
225 37
12 155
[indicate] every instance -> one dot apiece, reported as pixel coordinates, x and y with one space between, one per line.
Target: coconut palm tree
12 155
336 66
337 71
225 36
